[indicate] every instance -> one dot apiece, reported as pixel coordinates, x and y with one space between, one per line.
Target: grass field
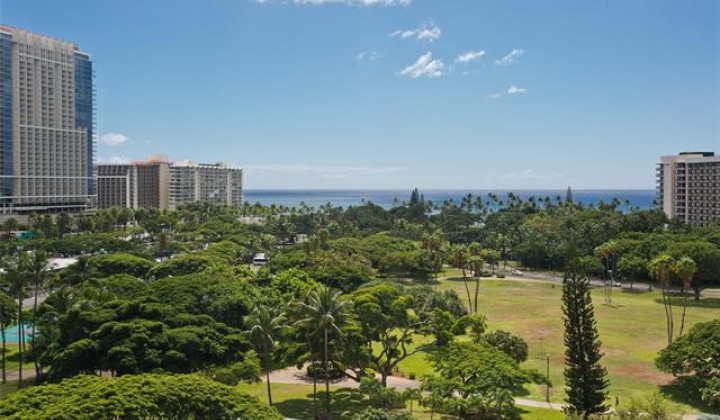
632 331
296 401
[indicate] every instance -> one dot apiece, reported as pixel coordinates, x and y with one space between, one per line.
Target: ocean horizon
641 198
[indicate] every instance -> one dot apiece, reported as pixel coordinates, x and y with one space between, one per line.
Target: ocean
385 198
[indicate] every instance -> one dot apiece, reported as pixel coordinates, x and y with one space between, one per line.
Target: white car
613 283
516 272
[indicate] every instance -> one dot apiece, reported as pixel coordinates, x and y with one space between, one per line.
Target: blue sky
401 93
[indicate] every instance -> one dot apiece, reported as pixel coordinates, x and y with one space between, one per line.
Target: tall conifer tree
585 379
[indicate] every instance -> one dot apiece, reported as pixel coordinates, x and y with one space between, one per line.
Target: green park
482 309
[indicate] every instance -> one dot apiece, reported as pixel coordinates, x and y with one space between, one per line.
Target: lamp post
547 377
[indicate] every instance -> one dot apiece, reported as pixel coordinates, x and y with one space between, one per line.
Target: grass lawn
11 357
296 401
632 331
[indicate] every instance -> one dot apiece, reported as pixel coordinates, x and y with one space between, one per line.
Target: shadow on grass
685 389
709 303
637 291
343 400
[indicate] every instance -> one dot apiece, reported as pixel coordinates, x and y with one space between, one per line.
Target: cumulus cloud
470 56
114 139
348 2
514 90
428 32
368 57
510 58
424 66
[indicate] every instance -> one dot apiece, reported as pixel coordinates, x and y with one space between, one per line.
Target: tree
585 379
411 395
632 268
147 396
264 326
325 310
512 345
685 268
696 355
7 317
662 269
37 265
18 281
11 225
476 380
387 320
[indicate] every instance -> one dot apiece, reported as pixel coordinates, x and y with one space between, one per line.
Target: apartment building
47 125
134 185
217 183
689 187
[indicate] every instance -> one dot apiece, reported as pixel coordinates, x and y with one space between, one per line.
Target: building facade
134 185
208 183
689 187
47 125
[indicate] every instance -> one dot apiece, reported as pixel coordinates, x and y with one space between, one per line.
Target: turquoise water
11 334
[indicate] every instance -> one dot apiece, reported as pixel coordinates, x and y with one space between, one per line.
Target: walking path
295 376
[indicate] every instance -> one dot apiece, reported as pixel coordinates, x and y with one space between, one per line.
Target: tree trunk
32 335
327 378
682 322
477 292
4 349
315 396
467 289
20 341
267 379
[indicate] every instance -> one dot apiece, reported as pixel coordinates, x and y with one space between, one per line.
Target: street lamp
547 377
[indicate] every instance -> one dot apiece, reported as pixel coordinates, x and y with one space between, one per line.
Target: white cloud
114 139
495 95
348 2
510 58
368 57
470 56
424 66
114 160
428 32
514 90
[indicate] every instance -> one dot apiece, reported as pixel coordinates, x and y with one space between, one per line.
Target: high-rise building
689 187
208 183
134 185
47 117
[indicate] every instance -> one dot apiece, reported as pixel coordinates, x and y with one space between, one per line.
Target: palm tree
264 326
662 268
412 394
37 265
685 268
7 317
325 310
18 278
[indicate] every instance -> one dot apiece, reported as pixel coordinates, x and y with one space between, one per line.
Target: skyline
384 94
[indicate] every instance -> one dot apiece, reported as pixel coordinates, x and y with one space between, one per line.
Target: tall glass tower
47 125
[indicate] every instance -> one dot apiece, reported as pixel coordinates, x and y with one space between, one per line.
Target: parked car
516 272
